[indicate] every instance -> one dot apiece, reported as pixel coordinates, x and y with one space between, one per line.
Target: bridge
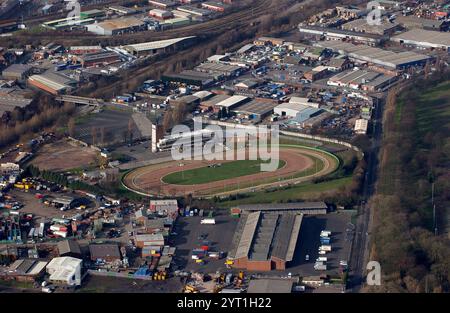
80 100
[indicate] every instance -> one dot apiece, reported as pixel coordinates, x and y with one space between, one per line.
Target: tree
167 120
93 135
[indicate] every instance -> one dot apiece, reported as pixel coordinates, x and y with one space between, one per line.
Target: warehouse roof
17 69
231 101
375 55
270 286
120 23
257 107
266 235
63 268
426 37
160 44
361 25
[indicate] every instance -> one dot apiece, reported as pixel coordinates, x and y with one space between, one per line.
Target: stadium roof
283 206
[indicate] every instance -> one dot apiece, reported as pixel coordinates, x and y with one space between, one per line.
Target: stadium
202 178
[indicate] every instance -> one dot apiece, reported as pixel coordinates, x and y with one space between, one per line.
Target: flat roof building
257 109
295 207
116 26
105 252
361 126
339 34
271 285
232 102
16 71
361 26
159 46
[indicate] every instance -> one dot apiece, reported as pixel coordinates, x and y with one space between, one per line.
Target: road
360 251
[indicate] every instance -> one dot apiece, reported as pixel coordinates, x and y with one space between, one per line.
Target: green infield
210 174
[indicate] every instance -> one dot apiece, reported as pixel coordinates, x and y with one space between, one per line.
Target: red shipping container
204 248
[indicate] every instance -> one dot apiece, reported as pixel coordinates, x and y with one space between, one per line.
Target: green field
300 192
206 174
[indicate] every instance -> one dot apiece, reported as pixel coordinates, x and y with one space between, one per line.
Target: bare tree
71 127
94 135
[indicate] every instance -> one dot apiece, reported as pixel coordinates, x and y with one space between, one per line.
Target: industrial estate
93 200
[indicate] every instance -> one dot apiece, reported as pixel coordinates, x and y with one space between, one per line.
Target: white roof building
65 270
289 109
361 126
304 101
232 102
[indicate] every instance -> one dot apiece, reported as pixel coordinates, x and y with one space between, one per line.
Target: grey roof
16 69
256 107
270 286
68 246
283 206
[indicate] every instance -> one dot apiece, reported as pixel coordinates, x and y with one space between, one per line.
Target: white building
304 101
289 109
66 270
361 126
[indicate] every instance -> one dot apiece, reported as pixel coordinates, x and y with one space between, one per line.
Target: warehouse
361 25
214 6
219 70
117 26
289 109
424 39
167 207
256 110
339 34
65 270
165 4
16 71
385 58
304 101
194 10
190 78
361 79
10 102
231 102
160 14
412 22
122 10
99 58
145 240
161 46
294 207
52 83
26 269
265 240
94 13
69 202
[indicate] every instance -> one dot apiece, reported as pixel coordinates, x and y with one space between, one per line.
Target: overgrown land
410 241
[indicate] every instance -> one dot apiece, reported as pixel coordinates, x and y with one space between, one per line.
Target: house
65 270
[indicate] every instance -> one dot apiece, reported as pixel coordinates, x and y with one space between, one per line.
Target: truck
325 233
325 240
321 259
325 248
208 221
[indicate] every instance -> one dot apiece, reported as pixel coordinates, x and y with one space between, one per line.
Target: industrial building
385 58
160 14
65 270
194 10
119 9
289 109
190 77
339 34
231 102
165 4
219 70
8 102
265 240
52 83
361 26
117 26
17 71
424 39
361 79
98 58
26 269
161 46
214 6
167 207
257 109
414 22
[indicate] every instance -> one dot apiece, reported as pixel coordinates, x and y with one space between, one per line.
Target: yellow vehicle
199 261
229 262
